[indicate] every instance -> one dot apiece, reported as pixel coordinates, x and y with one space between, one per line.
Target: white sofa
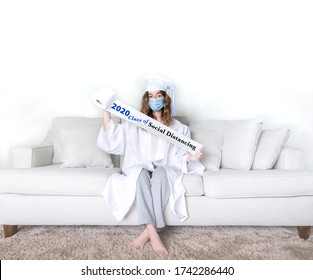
240 186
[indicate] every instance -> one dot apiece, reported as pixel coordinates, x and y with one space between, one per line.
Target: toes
133 245
161 251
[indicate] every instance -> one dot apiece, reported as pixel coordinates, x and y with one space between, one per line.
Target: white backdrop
229 60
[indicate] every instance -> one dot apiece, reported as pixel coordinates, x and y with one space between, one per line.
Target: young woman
152 167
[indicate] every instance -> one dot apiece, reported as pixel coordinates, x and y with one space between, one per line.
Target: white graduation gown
141 149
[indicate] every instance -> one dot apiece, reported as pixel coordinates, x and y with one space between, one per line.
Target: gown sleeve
181 158
182 155
112 140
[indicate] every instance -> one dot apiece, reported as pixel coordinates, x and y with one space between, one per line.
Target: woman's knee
159 178
143 181
159 172
144 175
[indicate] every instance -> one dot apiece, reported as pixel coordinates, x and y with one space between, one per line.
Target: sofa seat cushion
193 185
227 183
54 180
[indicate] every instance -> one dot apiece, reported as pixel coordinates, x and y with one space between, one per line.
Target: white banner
105 99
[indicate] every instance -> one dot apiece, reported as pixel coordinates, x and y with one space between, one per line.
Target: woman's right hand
196 157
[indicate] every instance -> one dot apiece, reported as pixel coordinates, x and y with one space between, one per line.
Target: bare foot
156 242
140 241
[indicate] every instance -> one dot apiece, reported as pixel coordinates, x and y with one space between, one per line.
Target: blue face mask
156 104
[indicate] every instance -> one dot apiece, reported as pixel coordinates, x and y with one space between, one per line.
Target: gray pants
153 192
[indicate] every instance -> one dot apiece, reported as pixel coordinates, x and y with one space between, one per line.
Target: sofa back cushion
212 141
233 144
59 123
80 150
181 119
68 123
240 143
240 138
269 147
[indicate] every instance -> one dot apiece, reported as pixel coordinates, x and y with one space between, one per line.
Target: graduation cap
155 83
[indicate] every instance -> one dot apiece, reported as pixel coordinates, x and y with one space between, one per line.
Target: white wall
229 59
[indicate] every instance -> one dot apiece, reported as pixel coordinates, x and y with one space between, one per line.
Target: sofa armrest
32 156
290 158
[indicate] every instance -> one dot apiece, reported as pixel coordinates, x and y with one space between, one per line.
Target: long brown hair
166 110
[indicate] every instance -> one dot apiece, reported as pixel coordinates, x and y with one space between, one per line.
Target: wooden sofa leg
304 232
9 230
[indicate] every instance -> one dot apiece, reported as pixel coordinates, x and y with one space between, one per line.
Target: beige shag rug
201 243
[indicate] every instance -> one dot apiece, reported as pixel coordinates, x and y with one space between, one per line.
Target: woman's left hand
195 157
